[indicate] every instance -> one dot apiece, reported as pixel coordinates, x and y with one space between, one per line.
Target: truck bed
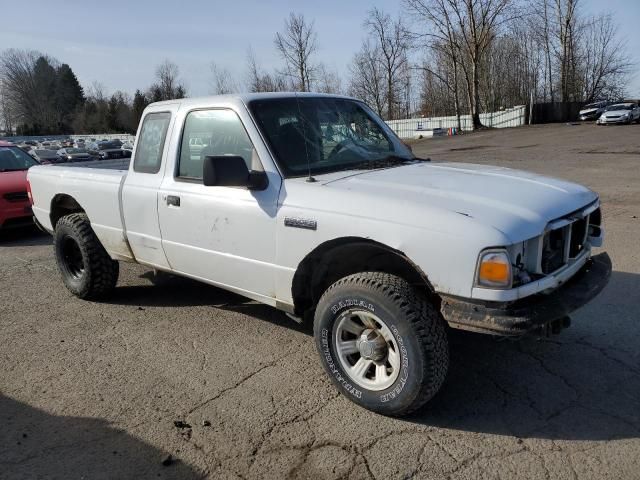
95 185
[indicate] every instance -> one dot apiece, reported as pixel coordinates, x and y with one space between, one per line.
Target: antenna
310 179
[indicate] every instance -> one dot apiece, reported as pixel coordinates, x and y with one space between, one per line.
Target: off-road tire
416 325
98 274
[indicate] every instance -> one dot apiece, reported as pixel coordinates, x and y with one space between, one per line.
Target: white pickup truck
311 204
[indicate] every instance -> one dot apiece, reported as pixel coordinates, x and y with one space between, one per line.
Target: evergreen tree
68 97
44 79
140 102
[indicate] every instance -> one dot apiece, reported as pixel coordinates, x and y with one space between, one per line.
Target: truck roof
248 97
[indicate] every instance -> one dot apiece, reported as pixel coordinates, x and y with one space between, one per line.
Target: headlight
494 269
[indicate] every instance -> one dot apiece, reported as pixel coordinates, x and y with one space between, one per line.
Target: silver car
620 113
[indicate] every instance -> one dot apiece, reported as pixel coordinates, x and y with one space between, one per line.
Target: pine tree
68 97
44 79
140 102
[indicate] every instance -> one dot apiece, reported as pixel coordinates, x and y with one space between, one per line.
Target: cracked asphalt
183 380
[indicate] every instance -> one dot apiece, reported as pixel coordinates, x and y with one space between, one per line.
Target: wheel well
62 205
339 258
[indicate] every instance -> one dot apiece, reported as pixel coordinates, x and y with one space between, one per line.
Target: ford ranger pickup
311 204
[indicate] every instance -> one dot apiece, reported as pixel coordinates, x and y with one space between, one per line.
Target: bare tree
167 85
440 83
566 18
546 42
259 81
465 29
444 40
367 77
97 92
17 70
223 82
328 81
478 22
6 110
253 73
392 43
296 45
604 62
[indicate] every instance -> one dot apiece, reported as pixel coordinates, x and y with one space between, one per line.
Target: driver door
222 235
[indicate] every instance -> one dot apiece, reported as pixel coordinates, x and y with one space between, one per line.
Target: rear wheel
86 268
382 343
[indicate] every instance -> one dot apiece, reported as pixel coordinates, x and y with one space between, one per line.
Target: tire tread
426 322
103 271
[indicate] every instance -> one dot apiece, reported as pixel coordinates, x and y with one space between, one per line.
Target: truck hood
519 204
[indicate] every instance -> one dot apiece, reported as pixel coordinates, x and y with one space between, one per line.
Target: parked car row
79 151
607 113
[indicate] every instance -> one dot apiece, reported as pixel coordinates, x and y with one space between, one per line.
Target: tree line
483 55
41 96
439 57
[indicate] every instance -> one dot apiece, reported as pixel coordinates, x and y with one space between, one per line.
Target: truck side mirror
231 171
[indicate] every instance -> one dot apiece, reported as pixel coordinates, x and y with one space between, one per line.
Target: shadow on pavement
35 444
24 237
174 291
581 385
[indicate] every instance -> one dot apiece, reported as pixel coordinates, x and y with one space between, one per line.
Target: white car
311 204
592 111
620 113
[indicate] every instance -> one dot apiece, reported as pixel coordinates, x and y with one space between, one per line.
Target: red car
15 206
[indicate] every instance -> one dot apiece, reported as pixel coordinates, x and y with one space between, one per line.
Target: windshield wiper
387 162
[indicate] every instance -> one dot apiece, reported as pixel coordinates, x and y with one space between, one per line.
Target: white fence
125 137
411 127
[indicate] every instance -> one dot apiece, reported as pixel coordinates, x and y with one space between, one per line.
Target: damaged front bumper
533 312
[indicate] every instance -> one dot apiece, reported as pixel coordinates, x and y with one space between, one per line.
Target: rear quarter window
153 134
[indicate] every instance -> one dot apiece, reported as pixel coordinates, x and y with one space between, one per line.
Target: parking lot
183 380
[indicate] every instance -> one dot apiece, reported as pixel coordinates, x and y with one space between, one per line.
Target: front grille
578 232
553 250
570 236
16 196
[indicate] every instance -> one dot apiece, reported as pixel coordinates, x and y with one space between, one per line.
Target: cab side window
212 133
153 133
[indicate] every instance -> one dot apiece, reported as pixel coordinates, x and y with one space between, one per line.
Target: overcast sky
120 42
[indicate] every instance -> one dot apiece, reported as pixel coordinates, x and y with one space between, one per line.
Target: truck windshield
12 159
315 135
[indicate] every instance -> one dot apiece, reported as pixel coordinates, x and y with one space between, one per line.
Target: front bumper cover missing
533 312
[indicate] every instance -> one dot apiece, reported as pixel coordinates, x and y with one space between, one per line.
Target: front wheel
382 343
86 268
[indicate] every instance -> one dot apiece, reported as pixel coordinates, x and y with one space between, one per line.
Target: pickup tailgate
95 186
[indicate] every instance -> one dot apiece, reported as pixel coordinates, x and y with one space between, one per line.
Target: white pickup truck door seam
222 235
139 200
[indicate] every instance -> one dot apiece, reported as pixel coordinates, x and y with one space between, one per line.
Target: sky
119 43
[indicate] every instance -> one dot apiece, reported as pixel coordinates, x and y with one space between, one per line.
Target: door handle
173 200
